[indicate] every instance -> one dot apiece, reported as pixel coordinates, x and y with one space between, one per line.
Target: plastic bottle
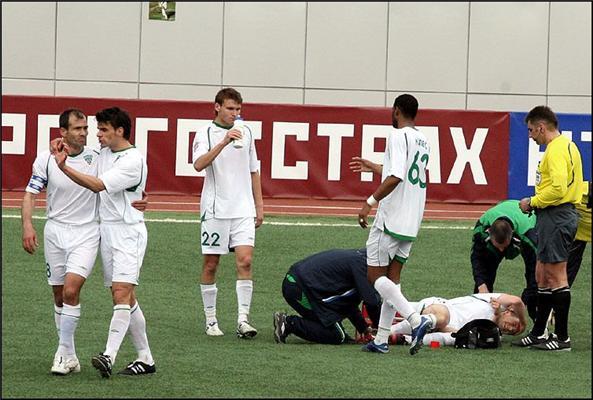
239 125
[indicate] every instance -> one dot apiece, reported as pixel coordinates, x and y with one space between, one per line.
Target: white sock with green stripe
57 318
137 331
209 293
117 329
68 324
244 288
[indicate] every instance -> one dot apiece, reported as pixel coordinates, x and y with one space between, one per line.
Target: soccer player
504 232
507 311
326 288
231 206
558 187
401 197
71 233
121 178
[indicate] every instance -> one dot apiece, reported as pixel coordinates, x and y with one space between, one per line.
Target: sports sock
244 288
544 306
117 329
385 287
561 304
444 338
57 318
209 300
137 332
402 327
394 294
68 324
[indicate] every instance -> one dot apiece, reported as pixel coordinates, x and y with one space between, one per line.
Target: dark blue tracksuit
324 289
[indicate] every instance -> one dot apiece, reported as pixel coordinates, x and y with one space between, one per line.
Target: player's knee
210 266
244 262
70 295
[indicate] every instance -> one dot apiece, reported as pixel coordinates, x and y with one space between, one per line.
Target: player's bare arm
258 198
359 164
90 182
207 159
383 190
30 242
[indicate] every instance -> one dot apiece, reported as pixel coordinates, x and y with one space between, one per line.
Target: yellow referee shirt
559 177
584 227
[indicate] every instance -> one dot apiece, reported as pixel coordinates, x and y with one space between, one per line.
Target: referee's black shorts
556 228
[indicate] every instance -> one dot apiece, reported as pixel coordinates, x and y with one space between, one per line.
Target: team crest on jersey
88 158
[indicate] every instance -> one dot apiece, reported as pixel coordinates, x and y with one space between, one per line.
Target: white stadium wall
463 56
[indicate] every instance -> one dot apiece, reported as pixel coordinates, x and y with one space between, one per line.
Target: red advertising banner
304 150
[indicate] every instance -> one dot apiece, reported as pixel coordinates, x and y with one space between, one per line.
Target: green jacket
520 222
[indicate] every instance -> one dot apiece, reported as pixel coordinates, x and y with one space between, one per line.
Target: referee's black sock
561 304
544 306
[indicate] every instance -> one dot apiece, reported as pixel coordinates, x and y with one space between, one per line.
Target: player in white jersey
71 233
507 311
231 206
121 178
401 198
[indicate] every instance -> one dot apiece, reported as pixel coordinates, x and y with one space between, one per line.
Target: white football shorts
122 251
218 236
69 249
383 248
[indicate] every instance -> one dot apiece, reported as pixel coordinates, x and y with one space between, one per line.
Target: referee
558 187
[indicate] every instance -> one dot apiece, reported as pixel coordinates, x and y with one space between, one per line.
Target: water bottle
240 126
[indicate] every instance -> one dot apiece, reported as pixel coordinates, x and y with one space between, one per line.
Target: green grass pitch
191 365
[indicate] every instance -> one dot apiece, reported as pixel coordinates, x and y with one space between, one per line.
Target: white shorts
383 248
69 249
122 251
218 236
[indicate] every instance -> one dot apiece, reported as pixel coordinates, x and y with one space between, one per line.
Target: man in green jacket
504 232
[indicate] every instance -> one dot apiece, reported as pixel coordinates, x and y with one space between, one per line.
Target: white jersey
466 308
227 192
406 157
67 202
124 175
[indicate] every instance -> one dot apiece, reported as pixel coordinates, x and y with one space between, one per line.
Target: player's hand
232 134
62 155
56 145
525 205
365 337
259 216
363 214
30 242
496 306
359 164
141 205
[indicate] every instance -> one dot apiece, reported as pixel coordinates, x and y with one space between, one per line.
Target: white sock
68 324
57 318
384 286
244 288
209 300
137 332
402 327
117 329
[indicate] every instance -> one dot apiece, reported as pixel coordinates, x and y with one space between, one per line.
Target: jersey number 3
414 171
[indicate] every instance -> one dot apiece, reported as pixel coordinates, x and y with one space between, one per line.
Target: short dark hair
228 93
407 104
501 230
542 114
65 116
117 118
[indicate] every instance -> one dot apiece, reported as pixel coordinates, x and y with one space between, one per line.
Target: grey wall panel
498 102
35 87
428 46
264 44
570 104
508 48
28 40
98 41
187 50
442 101
178 92
97 89
346 45
570 49
345 97
270 95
